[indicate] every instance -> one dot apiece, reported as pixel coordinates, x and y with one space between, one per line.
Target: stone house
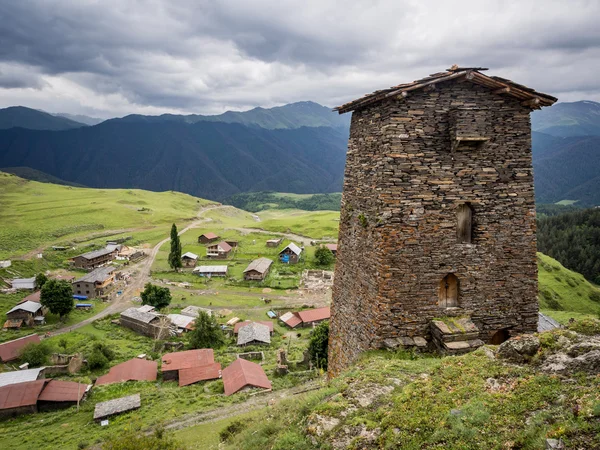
143 322
258 269
437 214
91 260
96 283
290 254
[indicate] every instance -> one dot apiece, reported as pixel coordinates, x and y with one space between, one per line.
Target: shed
232 243
146 308
290 254
182 322
207 238
268 323
254 333
211 271
24 283
194 311
11 350
200 373
133 370
242 374
21 376
116 406
332 248
313 316
258 269
291 319
189 259
173 362
219 250
143 322
20 398
61 394
30 312
274 242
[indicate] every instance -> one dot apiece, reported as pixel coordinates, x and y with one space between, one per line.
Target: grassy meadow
39 214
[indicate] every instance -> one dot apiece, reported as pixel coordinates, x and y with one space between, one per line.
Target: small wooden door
448 291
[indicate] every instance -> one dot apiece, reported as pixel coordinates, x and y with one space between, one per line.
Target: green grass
566 202
315 224
39 214
564 293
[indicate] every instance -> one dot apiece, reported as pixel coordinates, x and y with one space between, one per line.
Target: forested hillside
259 201
20 116
573 238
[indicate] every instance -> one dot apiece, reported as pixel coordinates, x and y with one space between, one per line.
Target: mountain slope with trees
568 119
32 119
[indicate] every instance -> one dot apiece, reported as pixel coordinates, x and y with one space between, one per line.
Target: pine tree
175 254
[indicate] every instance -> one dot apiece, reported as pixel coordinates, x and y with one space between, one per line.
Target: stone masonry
415 160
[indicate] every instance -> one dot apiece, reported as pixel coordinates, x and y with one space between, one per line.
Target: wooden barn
290 254
258 269
207 238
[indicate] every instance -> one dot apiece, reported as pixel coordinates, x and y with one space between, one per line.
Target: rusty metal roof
11 350
187 359
210 235
63 391
200 373
35 297
332 247
242 373
133 370
20 394
237 326
501 86
291 319
313 315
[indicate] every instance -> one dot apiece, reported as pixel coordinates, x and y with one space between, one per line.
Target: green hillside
564 293
22 117
35 214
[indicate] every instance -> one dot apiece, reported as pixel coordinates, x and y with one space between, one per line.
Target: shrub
137 439
595 296
105 350
323 256
97 360
159 297
588 327
35 354
231 430
206 333
317 347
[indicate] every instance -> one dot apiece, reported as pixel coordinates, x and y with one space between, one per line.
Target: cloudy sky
107 58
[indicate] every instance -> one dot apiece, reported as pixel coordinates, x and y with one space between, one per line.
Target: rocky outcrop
519 349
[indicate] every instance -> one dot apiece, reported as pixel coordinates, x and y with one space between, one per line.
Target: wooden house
189 259
207 238
211 271
141 321
29 312
290 254
258 269
91 260
220 250
95 283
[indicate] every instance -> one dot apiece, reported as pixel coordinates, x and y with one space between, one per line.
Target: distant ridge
568 119
87 120
32 119
37 175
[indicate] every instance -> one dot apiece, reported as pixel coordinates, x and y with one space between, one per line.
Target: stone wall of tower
405 179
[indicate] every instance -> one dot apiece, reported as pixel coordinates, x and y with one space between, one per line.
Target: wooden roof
500 86
314 315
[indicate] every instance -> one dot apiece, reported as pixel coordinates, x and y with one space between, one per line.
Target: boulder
565 364
519 349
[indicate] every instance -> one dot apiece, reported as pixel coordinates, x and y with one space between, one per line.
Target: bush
35 354
588 327
231 430
97 360
108 352
323 256
159 297
317 347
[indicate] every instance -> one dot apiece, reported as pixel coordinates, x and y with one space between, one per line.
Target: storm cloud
114 57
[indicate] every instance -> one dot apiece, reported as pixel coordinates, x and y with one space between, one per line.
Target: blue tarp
80 297
83 305
285 258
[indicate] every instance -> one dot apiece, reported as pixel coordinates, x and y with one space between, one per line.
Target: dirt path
142 273
254 403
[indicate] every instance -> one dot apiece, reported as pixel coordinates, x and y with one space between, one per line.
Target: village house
290 254
194 311
258 269
274 243
182 322
189 259
254 334
96 283
142 321
24 283
11 350
242 374
27 313
291 319
332 248
133 370
190 365
207 238
267 323
91 260
437 215
220 250
210 271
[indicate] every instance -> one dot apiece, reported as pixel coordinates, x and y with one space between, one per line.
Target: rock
391 343
564 364
488 352
552 444
519 349
319 425
406 341
492 385
582 348
456 412
420 342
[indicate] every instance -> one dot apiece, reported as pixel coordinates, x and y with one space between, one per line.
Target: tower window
464 224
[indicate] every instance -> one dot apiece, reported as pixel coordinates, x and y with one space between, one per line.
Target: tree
206 333
323 256
175 254
35 354
159 297
40 280
57 296
318 344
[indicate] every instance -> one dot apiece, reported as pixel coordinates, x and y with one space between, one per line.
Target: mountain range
297 148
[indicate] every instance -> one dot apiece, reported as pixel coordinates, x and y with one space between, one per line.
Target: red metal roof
314 315
225 246
239 325
332 247
201 373
20 394
210 235
35 297
133 370
11 350
63 391
292 321
242 373
187 359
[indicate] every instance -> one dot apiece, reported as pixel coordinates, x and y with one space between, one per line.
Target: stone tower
437 228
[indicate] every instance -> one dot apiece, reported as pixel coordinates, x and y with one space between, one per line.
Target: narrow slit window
464 225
